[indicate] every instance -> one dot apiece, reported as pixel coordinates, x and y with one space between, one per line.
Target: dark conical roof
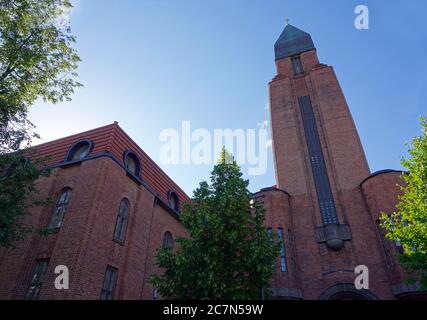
292 41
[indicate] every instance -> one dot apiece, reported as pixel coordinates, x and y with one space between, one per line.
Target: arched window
132 163
167 240
174 201
60 209
122 219
79 150
109 284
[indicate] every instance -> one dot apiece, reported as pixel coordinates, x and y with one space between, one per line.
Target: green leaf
229 253
408 224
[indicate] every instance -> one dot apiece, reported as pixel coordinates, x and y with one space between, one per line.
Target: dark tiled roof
291 42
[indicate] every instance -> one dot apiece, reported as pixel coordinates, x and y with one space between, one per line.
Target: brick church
113 207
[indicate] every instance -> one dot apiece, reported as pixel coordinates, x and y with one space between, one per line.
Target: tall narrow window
37 279
109 284
168 240
174 201
270 236
122 219
297 65
60 209
282 250
318 165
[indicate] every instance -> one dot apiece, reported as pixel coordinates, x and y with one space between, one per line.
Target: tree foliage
229 254
409 223
36 57
17 194
36 61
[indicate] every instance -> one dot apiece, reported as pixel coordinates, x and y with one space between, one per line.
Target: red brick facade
319 257
84 243
319 268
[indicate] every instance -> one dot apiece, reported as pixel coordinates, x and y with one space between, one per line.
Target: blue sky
150 64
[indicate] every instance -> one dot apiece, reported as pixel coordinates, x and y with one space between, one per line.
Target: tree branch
10 68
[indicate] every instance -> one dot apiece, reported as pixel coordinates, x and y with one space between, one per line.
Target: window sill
50 231
136 179
120 243
68 164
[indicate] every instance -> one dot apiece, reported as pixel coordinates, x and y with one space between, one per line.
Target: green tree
229 254
36 57
18 193
409 223
36 61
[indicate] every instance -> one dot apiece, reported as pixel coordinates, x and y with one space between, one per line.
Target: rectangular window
270 233
37 279
282 250
318 165
297 65
109 285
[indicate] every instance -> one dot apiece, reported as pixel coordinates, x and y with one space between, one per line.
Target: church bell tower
318 156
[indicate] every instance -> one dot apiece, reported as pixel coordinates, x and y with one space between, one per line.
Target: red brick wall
319 267
343 152
279 215
381 195
85 242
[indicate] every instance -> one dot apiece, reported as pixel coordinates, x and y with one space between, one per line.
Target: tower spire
292 41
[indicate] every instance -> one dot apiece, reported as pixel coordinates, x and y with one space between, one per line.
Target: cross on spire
287 21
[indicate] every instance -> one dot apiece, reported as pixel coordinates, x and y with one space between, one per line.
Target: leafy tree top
408 224
229 254
36 57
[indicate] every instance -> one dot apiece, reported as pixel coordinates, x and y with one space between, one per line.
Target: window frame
130 154
109 283
177 206
283 262
319 170
270 233
63 207
168 236
121 222
297 65
36 282
77 145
